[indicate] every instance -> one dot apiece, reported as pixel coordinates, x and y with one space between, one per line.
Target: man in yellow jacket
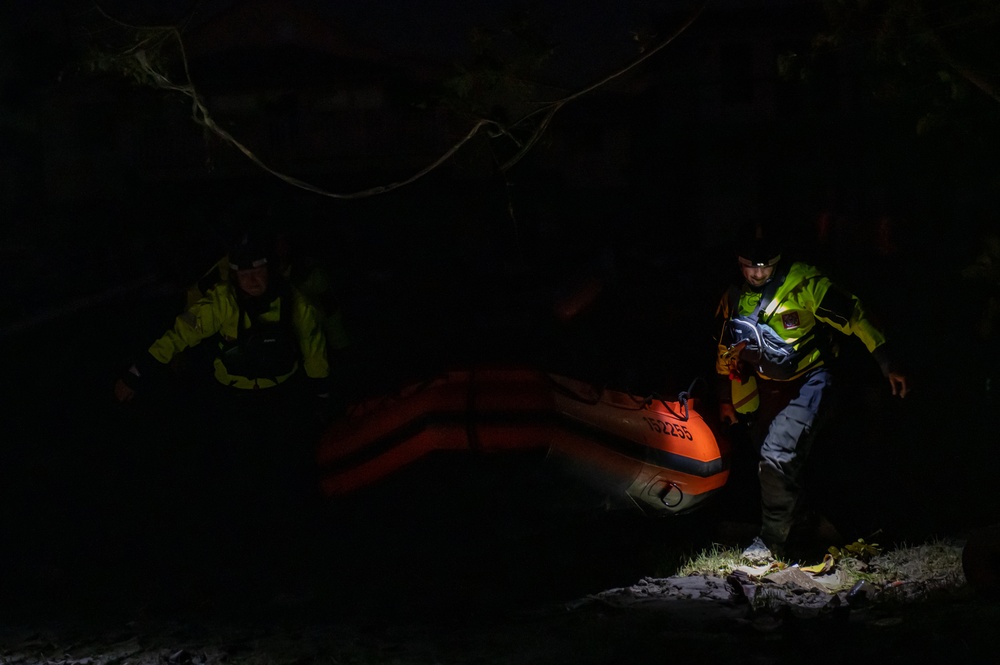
264 330
306 274
271 388
774 357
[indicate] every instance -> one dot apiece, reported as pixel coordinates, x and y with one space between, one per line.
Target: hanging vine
145 61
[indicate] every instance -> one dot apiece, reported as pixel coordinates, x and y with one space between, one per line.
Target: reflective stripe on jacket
218 313
805 298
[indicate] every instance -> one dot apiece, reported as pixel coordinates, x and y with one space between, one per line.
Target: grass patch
718 560
911 570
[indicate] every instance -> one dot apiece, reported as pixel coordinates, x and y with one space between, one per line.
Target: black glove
132 378
136 379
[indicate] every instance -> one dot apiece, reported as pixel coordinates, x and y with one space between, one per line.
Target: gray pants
788 419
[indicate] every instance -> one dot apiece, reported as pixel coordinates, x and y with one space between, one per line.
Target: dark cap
250 250
755 248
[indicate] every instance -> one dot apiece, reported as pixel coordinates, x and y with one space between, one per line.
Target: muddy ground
586 593
413 576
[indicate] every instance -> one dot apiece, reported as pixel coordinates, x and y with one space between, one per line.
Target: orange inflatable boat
658 455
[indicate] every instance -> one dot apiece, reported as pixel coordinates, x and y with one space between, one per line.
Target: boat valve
671 495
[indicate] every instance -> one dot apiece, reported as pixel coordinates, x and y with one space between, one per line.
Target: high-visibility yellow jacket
803 303
218 312
310 278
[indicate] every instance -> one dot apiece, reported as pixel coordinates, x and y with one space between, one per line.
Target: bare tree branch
550 109
202 116
971 75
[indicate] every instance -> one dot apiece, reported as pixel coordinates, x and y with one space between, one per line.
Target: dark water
121 507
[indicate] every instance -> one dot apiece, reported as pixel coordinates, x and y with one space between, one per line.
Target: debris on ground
903 575
907 602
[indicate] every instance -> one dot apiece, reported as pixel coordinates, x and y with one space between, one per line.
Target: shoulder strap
240 315
764 306
284 292
767 305
733 300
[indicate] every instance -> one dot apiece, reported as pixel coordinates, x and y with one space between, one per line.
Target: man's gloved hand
727 413
127 384
897 382
728 361
891 370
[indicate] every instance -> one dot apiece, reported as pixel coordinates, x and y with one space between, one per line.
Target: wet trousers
790 415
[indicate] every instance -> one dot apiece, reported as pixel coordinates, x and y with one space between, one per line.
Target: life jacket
264 349
762 347
308 276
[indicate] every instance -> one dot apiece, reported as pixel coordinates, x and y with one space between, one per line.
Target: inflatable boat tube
658 455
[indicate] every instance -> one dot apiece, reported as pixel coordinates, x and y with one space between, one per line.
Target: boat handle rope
640 403
682 397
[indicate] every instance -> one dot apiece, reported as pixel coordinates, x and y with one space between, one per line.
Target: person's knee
779 477
770 473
